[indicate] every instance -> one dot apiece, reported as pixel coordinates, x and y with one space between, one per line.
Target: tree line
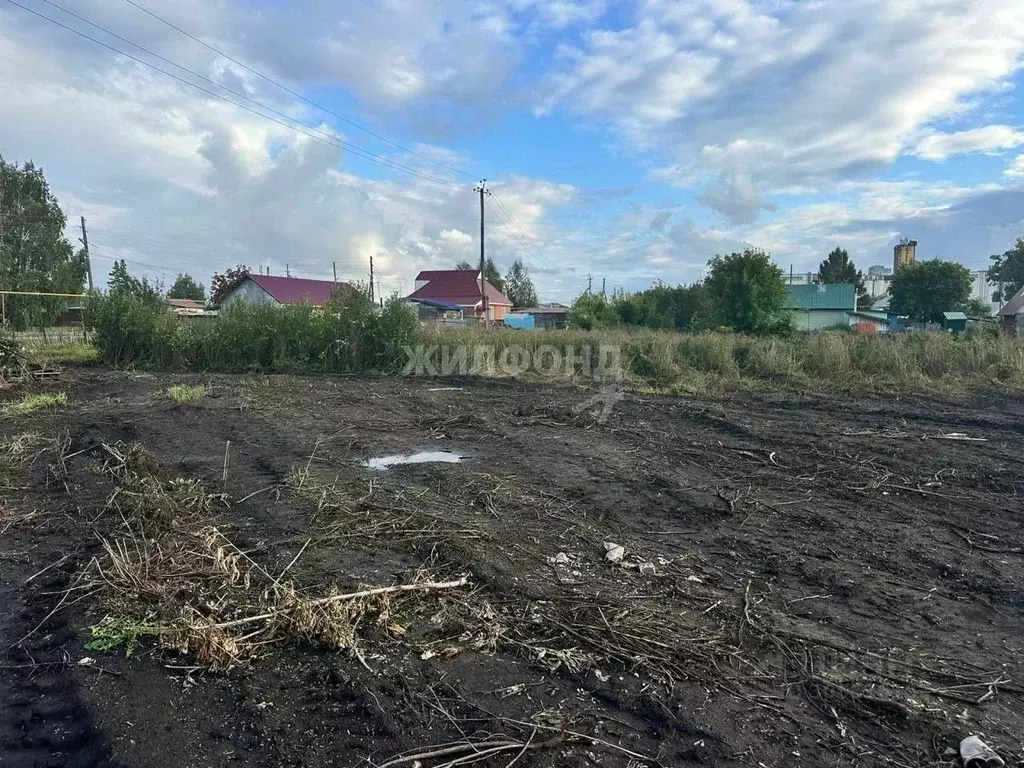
744 291
747 292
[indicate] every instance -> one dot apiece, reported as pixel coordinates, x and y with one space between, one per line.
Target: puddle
424 457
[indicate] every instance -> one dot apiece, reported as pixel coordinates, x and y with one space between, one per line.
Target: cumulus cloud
731 109
786 94
173 179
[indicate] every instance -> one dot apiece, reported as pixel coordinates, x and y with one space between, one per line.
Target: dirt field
807 580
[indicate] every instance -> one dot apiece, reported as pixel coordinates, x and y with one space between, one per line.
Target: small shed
548 317
869 321
185 306
955 322
520 320
432 310
1012 315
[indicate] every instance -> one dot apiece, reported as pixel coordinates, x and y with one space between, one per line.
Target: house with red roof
459 288
276 290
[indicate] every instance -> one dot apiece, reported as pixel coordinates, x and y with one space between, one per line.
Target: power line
288 90
512 218
507 227
331 140
118 257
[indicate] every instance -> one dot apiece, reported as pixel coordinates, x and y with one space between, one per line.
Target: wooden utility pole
590 282
85 244
602 287
334 266
482 189
371 277
287 272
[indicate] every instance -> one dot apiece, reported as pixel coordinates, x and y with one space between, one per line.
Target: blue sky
629 141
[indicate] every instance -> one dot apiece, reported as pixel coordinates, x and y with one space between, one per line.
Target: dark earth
809 579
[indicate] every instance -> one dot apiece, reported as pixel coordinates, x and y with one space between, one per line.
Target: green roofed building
954 321
821 305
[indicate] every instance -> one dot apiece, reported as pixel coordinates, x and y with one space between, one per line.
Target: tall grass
693 362
128 330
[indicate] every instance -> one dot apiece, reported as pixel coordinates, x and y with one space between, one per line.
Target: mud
826 580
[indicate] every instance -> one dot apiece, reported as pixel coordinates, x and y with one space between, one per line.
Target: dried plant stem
224 476
428 586
472 752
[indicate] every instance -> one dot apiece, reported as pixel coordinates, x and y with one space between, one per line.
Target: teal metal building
954 321
821 305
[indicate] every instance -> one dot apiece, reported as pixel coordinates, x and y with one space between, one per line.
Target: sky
622 142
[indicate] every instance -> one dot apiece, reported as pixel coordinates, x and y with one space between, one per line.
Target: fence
42 323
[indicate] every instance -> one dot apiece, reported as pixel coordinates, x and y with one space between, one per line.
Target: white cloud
738 102
939 146
1016 168
786 93
174 179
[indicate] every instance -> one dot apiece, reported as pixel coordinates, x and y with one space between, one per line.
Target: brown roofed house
459 288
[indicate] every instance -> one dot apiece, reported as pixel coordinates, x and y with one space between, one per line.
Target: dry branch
428 586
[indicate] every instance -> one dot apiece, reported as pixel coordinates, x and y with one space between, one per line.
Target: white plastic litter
977 754
614 552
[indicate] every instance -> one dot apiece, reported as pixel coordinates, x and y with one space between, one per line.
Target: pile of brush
170 573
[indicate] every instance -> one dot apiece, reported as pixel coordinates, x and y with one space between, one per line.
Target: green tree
122 283
185 287
975 307
662 306
1007 270
491 273
746 292
591 311
34 254
837 268
223 284
926 289
519 287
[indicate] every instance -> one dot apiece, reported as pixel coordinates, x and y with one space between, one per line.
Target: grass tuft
183 393
36 402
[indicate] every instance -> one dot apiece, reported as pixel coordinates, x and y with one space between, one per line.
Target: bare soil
808 579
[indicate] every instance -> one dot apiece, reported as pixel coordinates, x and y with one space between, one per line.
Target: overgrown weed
35 402
185 393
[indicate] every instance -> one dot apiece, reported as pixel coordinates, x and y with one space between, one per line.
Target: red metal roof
456 286
297 290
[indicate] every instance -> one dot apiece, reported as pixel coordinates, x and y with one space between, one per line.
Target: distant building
549 317
1012 316
459 288
954 321
903 254
821 305
275 290
186 306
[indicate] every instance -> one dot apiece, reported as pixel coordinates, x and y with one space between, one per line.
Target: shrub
342 338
